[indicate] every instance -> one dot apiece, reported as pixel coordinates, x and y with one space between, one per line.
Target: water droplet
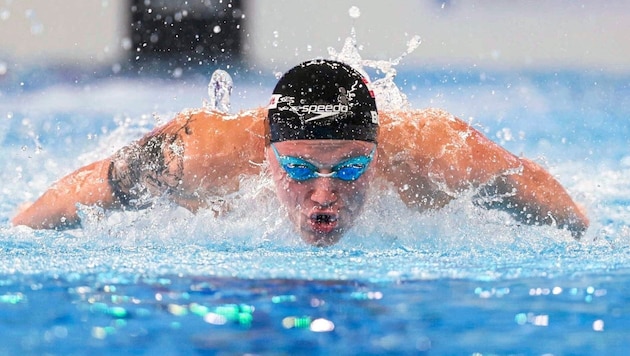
37 28
354 12
219 91
413 43
126 43
5 14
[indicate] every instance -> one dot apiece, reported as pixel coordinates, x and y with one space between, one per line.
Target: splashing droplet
388 95
413 43
219 91
354 12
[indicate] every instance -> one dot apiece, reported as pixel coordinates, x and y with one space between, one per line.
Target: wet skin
323 208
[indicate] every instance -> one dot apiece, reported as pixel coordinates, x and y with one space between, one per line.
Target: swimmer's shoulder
206 126
212 134
209 120
410 121
421 129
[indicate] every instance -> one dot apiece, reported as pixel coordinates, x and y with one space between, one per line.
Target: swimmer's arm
57 207
444 156
533 196
155 165
519 186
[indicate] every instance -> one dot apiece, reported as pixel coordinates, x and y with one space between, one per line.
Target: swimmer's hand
579 222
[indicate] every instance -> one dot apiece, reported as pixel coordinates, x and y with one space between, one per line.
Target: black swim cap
322 99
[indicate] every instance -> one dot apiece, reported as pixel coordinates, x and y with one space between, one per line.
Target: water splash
219 91
388 96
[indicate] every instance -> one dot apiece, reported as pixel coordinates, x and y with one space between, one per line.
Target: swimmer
324 144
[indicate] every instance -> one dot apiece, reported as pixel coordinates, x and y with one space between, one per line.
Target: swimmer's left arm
519 186
533 196
448 156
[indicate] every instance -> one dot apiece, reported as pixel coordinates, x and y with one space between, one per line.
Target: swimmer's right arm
196 154
148 163
57 207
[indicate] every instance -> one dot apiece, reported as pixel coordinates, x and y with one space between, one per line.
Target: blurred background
175 36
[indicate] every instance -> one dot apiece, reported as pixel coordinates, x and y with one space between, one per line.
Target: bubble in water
354 12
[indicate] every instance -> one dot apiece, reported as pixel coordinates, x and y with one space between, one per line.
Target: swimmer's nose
323 193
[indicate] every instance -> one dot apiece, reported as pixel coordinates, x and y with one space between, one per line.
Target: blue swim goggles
301 170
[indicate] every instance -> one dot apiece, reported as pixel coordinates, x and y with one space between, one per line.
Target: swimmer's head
322 100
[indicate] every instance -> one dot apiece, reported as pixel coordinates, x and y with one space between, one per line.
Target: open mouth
323 222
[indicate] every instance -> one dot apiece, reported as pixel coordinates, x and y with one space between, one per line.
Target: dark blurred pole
176 36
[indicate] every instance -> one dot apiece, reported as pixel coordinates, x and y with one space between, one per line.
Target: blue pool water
457 281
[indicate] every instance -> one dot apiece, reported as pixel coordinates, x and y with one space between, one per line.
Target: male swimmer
325 143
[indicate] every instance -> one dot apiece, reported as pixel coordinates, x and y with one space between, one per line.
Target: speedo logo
321 111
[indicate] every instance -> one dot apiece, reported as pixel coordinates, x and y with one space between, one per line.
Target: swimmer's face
322 208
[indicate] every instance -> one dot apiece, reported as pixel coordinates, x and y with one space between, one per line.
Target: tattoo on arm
148 168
